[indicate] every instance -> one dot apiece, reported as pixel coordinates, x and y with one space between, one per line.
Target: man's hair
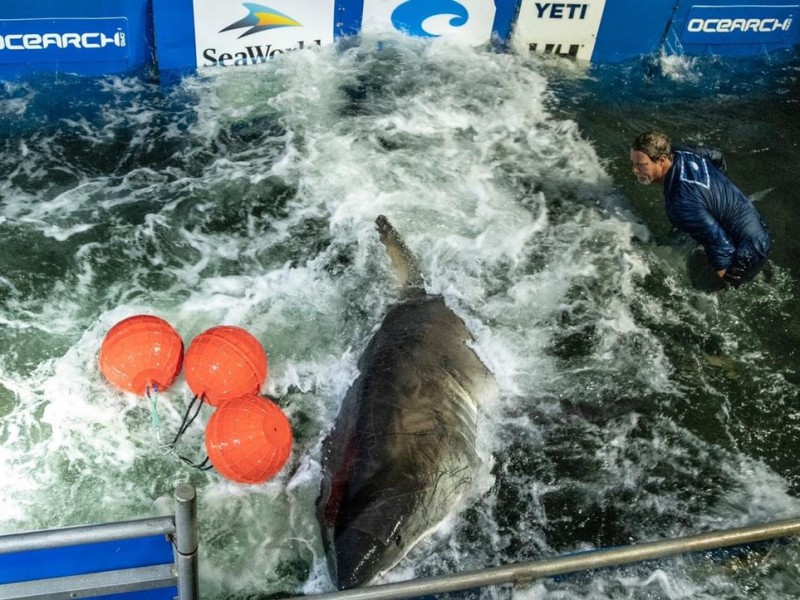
654 144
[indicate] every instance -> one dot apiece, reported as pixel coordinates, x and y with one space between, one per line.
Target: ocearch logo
767 25
43 41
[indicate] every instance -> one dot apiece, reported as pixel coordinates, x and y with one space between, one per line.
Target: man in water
701 200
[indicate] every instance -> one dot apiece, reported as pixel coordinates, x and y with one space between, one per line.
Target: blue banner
84 37
71 40
745 24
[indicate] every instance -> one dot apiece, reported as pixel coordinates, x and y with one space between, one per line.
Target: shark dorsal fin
404 263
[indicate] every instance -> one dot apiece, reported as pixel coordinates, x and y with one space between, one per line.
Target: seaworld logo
411 17
261 18
249 55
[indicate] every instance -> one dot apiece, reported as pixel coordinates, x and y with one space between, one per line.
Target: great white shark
402 450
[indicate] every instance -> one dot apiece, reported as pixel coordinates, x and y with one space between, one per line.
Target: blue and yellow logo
262 18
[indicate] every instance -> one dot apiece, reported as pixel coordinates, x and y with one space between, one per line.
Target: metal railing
182 572
525 573
86 579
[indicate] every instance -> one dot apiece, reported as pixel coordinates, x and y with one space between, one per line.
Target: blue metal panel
174 33
631 28
348 18
85 558
82 36
504 18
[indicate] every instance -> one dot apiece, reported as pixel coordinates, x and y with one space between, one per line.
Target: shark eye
398 540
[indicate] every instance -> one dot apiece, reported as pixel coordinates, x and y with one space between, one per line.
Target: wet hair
654 144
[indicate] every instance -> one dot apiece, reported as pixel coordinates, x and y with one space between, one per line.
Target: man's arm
707 232
718 246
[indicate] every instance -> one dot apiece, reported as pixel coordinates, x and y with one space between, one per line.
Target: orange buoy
225 362
140 352
248 439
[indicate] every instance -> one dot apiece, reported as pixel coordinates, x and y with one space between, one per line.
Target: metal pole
85 534
186 541
523 573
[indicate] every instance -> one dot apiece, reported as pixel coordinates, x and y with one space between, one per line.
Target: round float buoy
248 439
225 362
140 352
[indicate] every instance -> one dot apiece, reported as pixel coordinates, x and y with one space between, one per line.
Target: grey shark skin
402 450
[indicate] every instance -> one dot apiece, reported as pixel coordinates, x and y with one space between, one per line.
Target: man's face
646 170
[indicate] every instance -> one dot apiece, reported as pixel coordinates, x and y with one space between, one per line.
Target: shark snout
360 557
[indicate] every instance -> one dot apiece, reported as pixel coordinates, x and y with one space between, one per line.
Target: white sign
234 34
466 21
563 28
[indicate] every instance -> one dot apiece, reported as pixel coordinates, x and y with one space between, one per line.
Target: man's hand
721 273
733 275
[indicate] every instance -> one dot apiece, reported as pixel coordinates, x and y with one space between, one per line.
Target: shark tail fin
404 263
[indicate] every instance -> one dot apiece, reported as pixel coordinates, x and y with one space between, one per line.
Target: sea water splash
633 406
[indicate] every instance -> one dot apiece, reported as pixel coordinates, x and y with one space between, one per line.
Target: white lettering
51 39
73 39
732 25
10 39
85 40
724 25
32 41
105 40
36 41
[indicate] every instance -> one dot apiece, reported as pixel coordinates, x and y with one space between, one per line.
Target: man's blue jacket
703 202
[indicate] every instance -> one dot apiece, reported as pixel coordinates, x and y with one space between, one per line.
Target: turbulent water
634 405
